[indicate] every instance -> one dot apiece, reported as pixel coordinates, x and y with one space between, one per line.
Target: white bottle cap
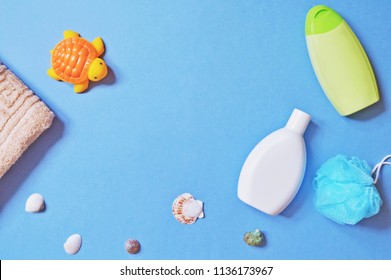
298 121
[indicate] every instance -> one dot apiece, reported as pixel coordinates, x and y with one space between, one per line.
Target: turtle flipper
53 75
81 87
98 45
70 34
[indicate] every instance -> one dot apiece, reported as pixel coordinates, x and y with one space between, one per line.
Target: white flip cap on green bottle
298 121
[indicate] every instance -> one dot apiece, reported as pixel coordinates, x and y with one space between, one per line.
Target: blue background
193 87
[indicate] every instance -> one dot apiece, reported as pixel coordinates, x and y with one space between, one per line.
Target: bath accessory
23 117
76 61
339 61
272 173
345 191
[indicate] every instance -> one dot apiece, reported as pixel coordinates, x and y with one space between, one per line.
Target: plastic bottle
273 171
339 61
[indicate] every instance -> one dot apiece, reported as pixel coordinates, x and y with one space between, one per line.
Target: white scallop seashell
73 244
35 203
186 209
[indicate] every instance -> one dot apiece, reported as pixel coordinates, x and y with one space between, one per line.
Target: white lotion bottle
273 171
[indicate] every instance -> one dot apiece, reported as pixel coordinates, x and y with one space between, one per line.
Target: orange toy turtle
76 61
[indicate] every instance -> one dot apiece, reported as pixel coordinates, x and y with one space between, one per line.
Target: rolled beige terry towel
23 117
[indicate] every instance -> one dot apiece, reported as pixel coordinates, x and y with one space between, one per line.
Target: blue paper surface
193 87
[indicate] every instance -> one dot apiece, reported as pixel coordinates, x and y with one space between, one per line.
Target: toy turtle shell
76 61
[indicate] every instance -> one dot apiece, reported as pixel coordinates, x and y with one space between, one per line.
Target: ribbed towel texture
23 117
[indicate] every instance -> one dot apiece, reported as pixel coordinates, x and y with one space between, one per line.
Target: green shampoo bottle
339 61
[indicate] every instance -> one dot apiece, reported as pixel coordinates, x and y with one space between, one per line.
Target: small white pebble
73 244
35 203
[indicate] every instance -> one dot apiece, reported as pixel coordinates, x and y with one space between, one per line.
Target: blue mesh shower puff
344 190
